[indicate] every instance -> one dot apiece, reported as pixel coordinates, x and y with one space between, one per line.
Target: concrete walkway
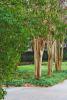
57 92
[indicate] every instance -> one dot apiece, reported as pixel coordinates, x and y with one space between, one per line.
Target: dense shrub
2 93
15 82
12 37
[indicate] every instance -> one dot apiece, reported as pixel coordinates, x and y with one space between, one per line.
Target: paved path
57 92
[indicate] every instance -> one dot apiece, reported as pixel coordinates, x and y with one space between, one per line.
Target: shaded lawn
25 74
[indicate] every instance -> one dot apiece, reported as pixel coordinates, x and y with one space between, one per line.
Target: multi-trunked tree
46 26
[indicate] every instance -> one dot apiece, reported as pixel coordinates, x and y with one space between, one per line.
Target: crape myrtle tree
35 22
45 24
12 38
60 41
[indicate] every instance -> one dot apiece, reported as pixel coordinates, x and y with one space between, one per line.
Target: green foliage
15 82
43 17
12 37
2 93
48 81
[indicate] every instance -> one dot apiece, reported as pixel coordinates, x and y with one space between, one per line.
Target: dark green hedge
65 54
29 56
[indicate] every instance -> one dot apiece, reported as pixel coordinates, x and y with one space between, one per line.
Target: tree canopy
44 16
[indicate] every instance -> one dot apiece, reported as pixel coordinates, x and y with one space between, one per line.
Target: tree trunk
49 61
50 56
56 67
38 54
58 55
